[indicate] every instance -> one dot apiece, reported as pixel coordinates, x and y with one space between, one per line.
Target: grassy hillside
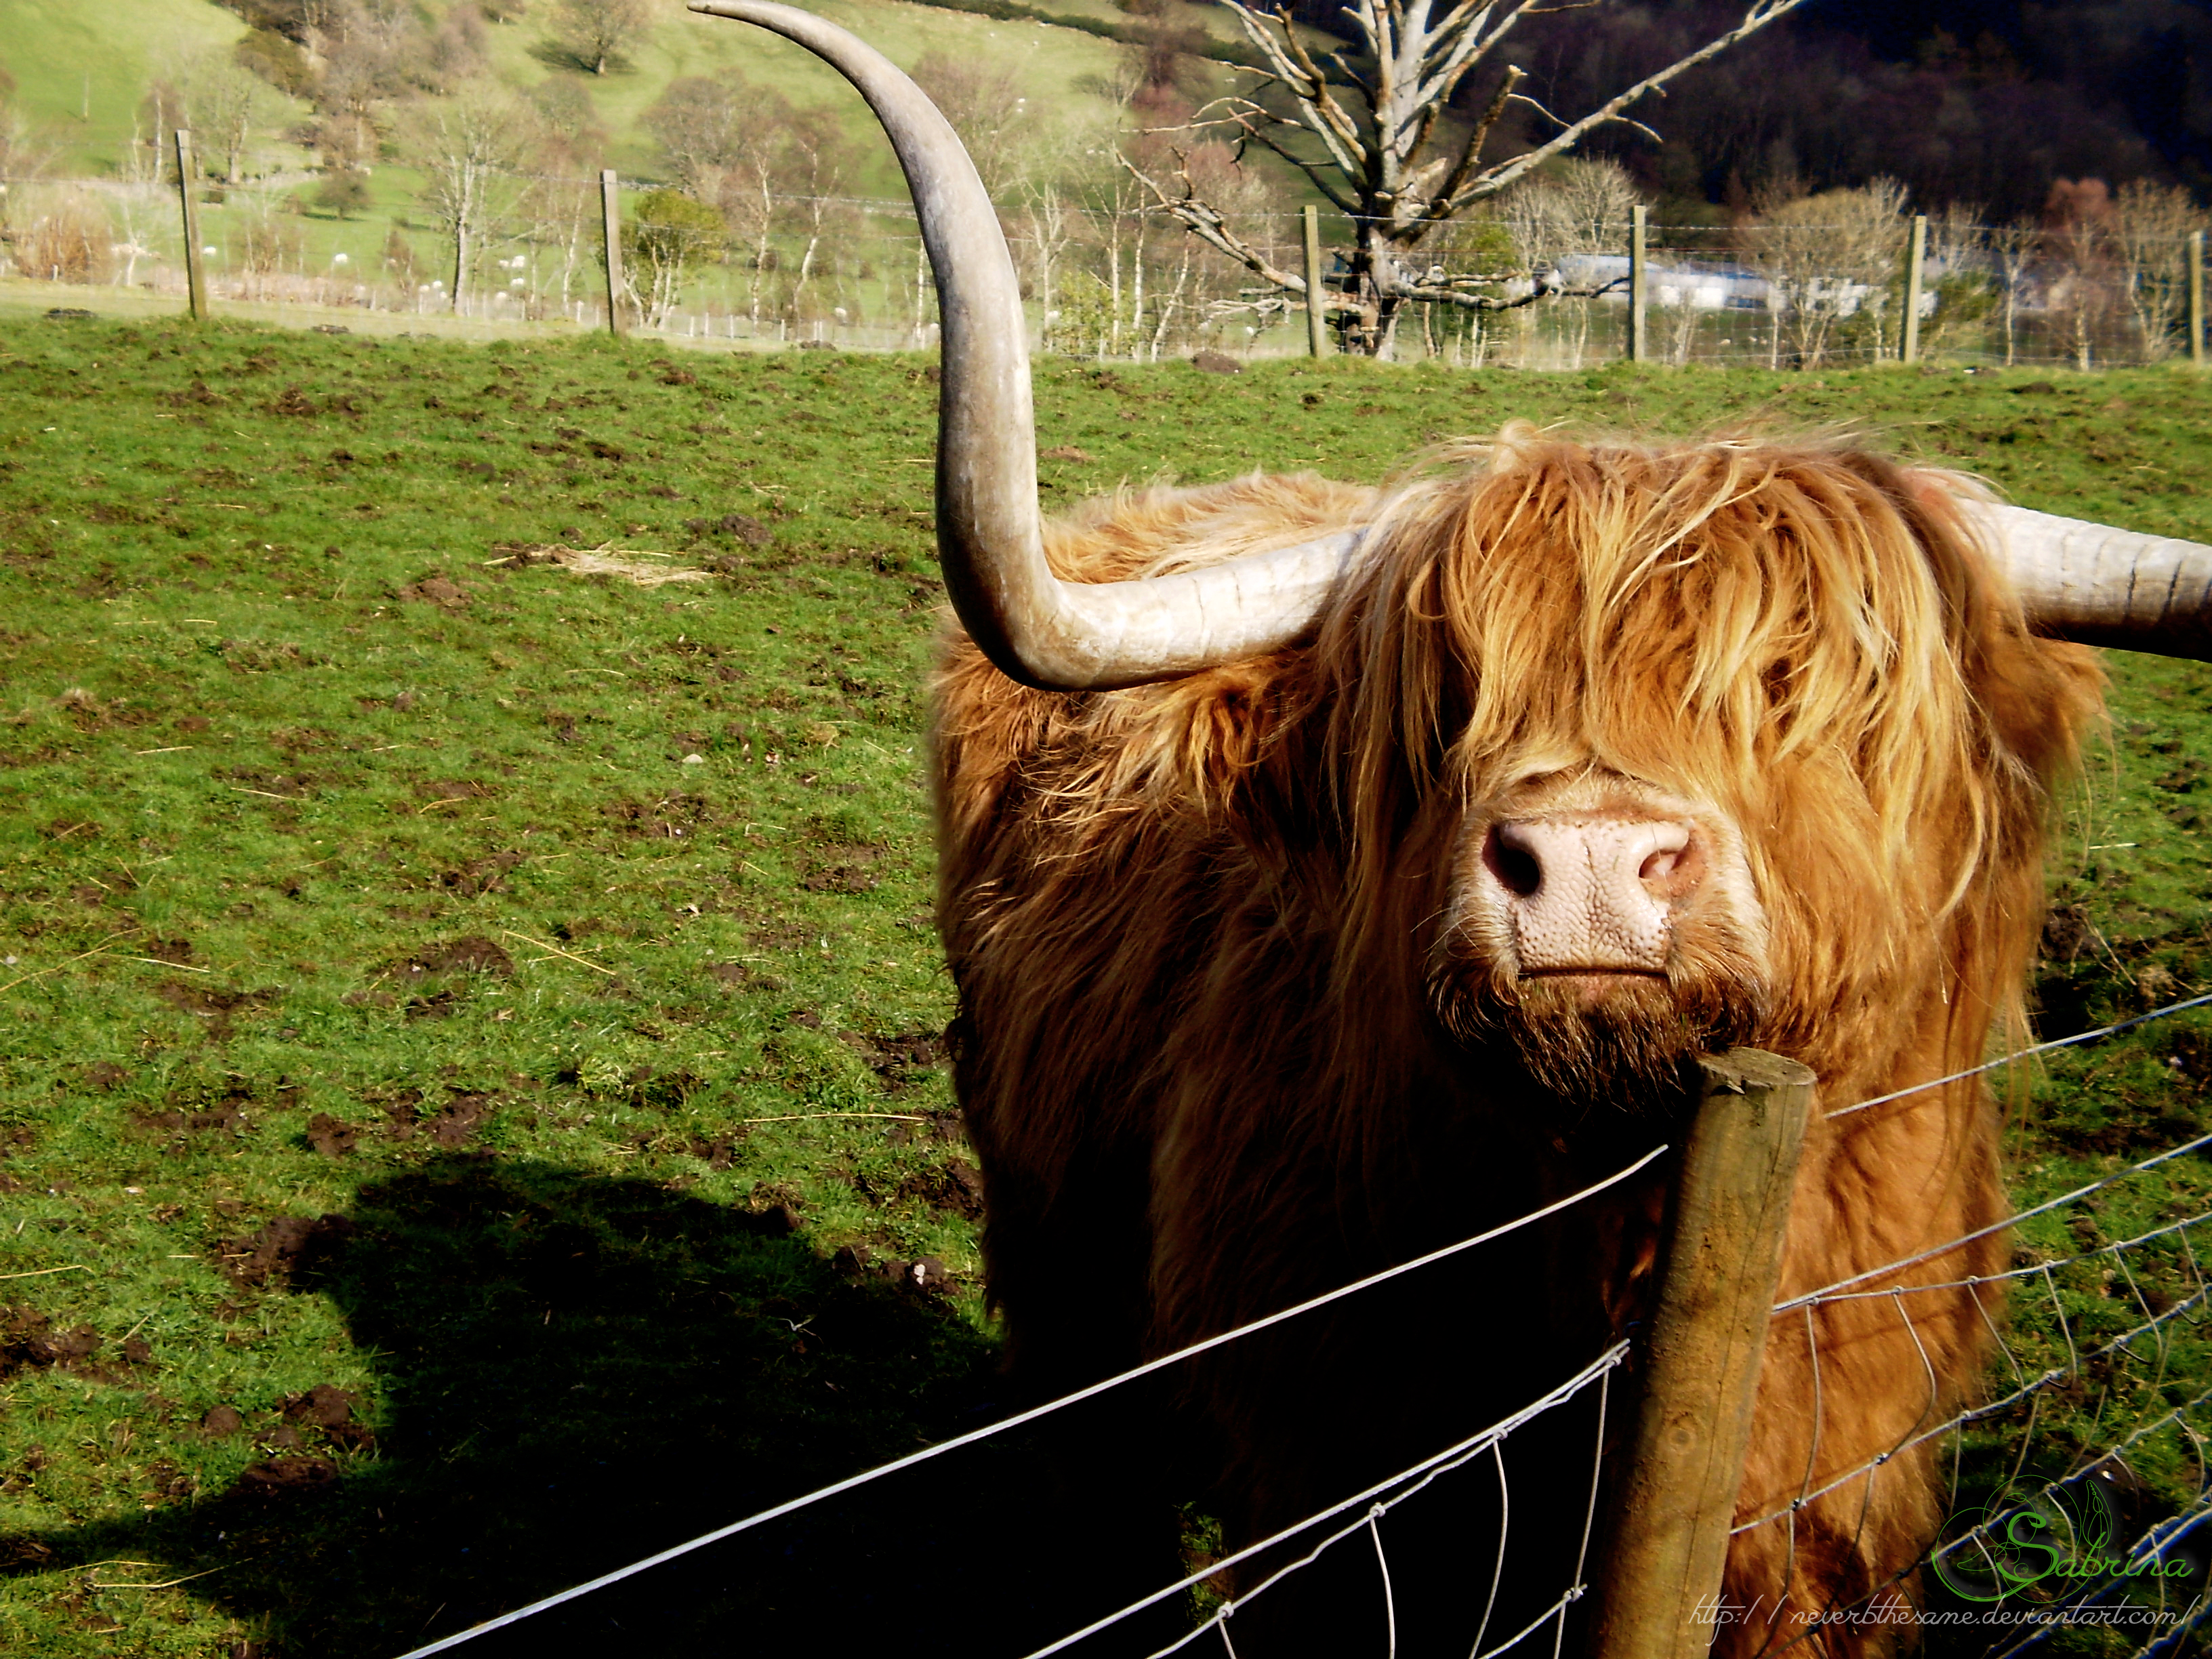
1050 64
476 1109
51 47
45 44
59 51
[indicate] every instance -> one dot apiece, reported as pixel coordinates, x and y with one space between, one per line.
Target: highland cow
1273 975
1331 873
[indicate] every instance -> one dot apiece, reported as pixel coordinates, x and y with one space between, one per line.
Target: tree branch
1205 222
1439 208
1440 294
1291 65
1493 180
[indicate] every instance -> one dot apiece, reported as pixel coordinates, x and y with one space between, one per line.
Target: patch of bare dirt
739 525
29 1342
211 1003
474 954
487 874
332 1137
282 1479
900 1057
195 396
842 868
436 588
957 1186
287 1246
676 816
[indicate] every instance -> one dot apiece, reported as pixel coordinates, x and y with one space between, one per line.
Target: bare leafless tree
468 146
1557 220
1369 125
2150 224
727 143
2081 262
1828 259
2012 248
25 152
983 102
225 101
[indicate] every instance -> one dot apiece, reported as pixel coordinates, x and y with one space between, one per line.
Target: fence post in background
1639 272
1916 259
195 272
611 223
1724 1256
1316 298
2197 298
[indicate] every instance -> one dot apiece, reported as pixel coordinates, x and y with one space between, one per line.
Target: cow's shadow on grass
575 1372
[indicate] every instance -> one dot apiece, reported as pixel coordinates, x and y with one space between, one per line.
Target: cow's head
1644 750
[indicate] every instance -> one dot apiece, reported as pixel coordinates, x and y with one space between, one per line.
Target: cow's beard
1625 1044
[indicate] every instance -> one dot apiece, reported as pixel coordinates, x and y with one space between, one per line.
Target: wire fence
2077 1478
1124 282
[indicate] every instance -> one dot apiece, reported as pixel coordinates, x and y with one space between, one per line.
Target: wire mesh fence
1116 281
2076 1483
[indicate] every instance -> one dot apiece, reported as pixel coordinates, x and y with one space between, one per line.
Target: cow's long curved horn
1060 636
2103 586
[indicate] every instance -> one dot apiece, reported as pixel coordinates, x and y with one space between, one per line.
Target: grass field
81 76
81 72
474 1106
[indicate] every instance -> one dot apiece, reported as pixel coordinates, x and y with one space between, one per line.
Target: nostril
1516 868
1672 864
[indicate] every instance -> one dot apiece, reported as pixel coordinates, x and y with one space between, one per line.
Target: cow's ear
2041 695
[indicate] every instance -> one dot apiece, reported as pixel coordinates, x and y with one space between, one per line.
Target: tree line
1158 210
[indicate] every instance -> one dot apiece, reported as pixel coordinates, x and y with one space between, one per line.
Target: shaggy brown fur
1224 1043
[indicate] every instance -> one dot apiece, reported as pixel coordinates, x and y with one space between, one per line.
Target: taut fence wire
1017 1420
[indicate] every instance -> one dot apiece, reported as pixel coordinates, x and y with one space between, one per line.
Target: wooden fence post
610 224
1317 295
1671 1512
195 272
1914 261
2197 298
1639 272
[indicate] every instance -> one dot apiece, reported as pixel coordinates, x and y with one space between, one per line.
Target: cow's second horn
1045 632
2091 582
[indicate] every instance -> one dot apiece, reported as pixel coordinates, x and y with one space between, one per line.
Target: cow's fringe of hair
1868 702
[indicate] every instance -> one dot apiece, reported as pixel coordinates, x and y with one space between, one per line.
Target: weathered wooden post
1316 296
610 226
1639 272
1916 259
195 272
2197 298
1671 1511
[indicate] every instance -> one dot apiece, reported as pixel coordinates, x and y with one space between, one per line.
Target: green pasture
1052 66
82 71
81 74
475 1109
